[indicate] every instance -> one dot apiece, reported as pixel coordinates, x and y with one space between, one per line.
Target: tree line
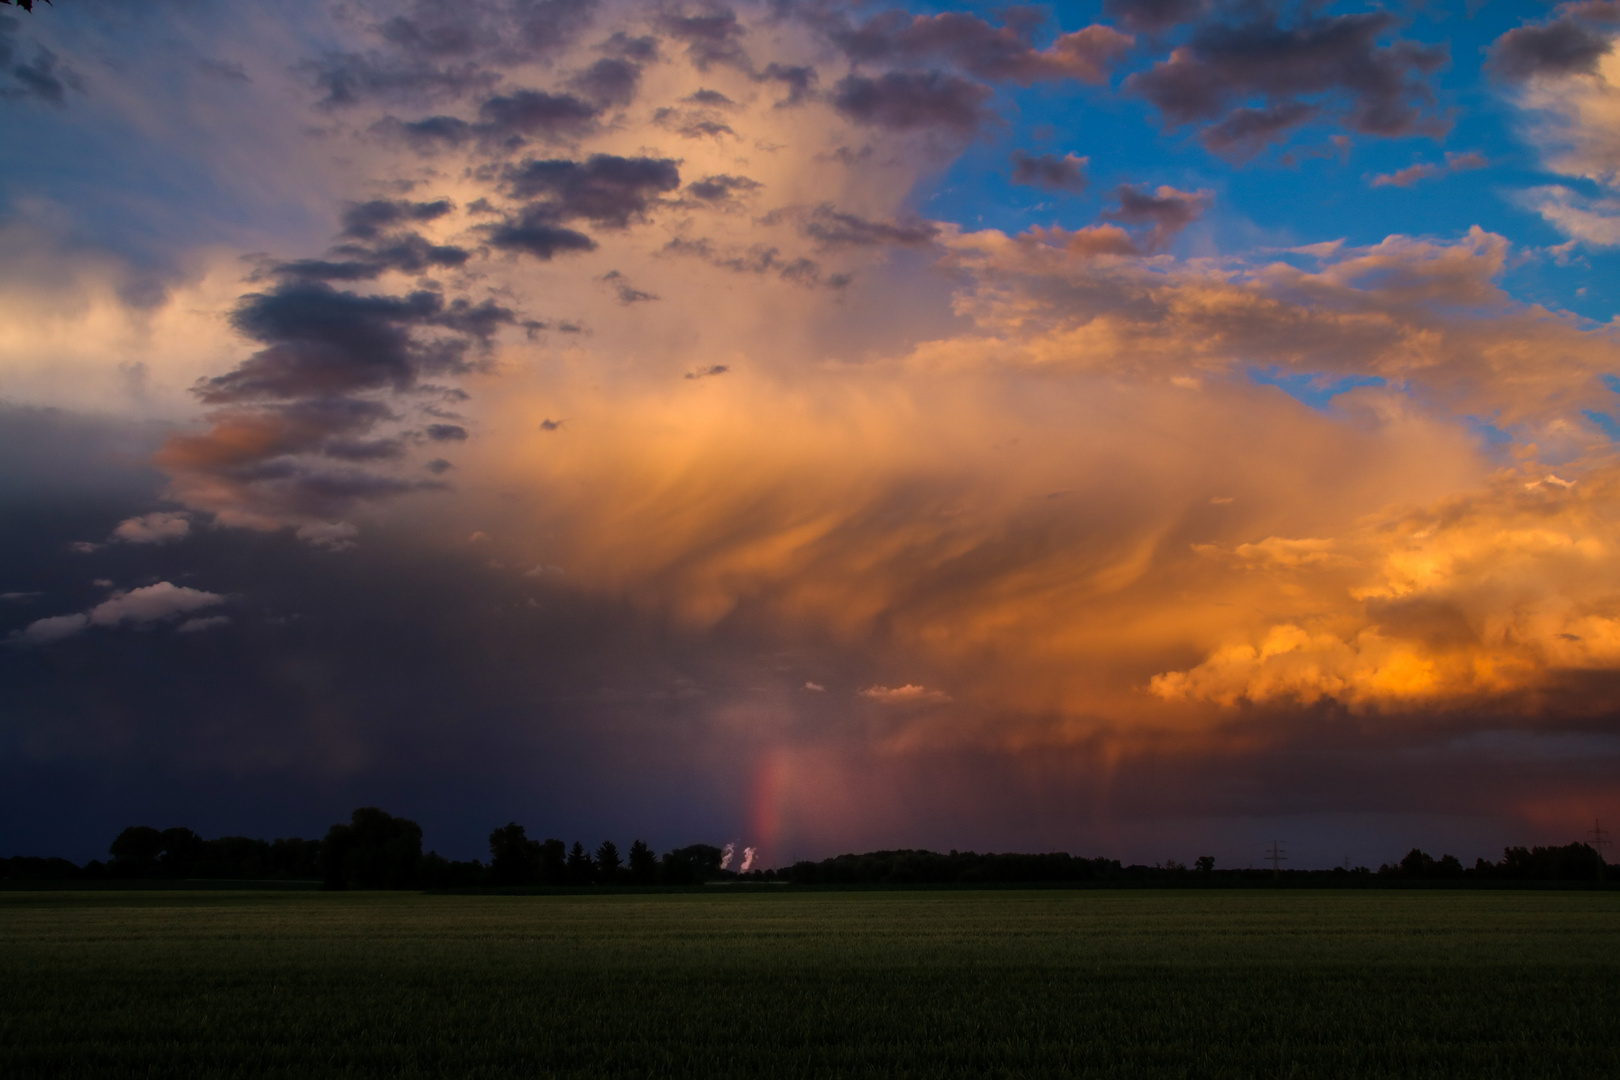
376 850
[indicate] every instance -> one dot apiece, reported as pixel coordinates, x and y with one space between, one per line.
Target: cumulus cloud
160 527
914 101
143 606
1566 79
1066 173
1314 65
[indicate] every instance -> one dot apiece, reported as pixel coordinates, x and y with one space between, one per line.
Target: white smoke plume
748 860
725 855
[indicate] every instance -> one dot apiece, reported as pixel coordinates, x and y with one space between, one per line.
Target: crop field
1250 983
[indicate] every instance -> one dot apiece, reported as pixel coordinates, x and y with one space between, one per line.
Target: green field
920 984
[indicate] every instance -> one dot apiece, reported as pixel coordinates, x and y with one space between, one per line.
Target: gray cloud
349 79
609 81
831 228
979 47
1153 16
505 122
1383 89
711 38
912 100
604 189
1166 212
1067 173
43 76
1565 46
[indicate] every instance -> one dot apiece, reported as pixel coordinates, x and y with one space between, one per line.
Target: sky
1148 428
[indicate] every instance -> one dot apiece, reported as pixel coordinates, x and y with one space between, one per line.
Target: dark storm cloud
365 221
535 232
643 50
831 228
1067 173
978 47
1563 47
605 189
320 342
609 81
42 75
799 79
408 253
506 121
348 79
1152 16
720 188
1227 65
714 37
1166 212
1246 132
447 433
912 100
535 113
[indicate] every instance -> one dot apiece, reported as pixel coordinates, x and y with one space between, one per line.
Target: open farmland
919 984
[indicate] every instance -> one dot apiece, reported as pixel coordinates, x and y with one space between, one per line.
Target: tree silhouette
608 863
554 862
643 863
374 851
514 859
580 868
26 5
135 851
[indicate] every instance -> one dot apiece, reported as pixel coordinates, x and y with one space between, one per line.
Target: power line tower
1600 840
1276 857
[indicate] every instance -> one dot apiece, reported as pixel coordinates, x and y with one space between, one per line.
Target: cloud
1563 47
1591 221
980 48
43 76
622 288
371 219
1412 174
350 79
209 622
714 37
909 694
605 189
831 228
447 433
322 341
505 123
1153 16
721 187
1571 114
1166 211
143 606
610 81
297 406
910 101
1066 173
155 528
1299 71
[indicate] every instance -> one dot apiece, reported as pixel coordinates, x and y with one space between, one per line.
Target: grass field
916 984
